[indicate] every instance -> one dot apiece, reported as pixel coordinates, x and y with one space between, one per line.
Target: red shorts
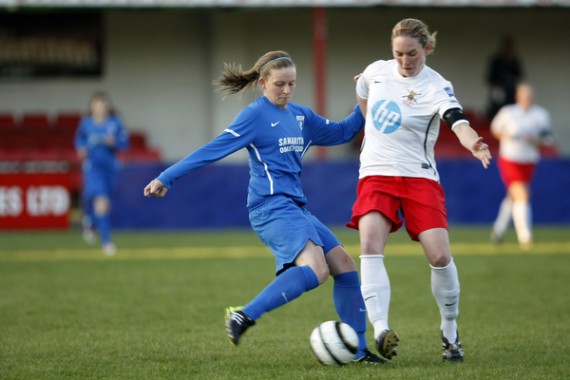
515 172
421 202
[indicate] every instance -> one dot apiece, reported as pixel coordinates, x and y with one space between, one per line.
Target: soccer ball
334 343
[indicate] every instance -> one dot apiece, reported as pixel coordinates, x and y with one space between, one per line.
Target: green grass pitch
155 310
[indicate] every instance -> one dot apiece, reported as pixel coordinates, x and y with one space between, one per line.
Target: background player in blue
277 134
99 136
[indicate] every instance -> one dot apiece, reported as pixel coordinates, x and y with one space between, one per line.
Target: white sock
503 218
445 289
375 291
522 218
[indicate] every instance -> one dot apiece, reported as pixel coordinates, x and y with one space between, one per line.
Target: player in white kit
521 128
403 101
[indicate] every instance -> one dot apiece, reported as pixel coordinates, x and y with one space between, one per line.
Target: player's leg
347 297
300 263
517 177
445 288
375 215
90 188
508 172
374 228
100 187
348 300
426 221
102 207
522 214
309 271
88 220
502 221
444 278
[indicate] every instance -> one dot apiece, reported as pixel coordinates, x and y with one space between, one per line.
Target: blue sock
350 306
284 288
103 225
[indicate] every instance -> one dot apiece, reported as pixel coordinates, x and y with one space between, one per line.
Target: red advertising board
35 200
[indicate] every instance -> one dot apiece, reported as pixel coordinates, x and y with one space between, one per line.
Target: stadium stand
35 122
7 122
449 147
67 121
41 137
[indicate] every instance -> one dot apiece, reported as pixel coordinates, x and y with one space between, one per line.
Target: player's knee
322 274
321 271
340 262
346 266
101 205
439 260
369 247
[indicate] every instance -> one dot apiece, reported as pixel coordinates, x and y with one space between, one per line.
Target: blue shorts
285 227
98 182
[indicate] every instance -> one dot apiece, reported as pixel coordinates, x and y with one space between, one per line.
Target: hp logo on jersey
386 116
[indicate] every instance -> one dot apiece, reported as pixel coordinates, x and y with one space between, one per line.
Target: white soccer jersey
402 120
514 123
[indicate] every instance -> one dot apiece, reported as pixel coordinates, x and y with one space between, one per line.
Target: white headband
274 60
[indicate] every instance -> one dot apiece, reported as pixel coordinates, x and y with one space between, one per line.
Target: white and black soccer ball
334 343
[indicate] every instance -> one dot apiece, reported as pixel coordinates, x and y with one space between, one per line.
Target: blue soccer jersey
100 163
276 139
91 136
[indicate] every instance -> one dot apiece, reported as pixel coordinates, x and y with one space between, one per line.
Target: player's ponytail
234 79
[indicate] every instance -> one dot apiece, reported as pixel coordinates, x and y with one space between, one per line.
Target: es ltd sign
34 201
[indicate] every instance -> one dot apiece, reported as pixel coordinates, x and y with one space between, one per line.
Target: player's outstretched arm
155 188
474 143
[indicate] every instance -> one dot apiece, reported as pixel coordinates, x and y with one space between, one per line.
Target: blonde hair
234 79
417 29
103 96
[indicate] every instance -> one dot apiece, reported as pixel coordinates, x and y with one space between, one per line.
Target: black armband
545 134
454 115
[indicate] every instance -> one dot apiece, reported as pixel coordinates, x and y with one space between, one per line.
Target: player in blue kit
99 136
277 134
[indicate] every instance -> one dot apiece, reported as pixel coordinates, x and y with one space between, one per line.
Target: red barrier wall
35 200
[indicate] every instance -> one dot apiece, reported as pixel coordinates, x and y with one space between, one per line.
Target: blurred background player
100 136
503 73
521 129
403 100
277 134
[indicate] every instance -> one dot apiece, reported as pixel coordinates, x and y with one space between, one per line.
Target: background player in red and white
521 128
403 101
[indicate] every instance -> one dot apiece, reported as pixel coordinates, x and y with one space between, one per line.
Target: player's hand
155 188
81 154
110 141
481 151
357 77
